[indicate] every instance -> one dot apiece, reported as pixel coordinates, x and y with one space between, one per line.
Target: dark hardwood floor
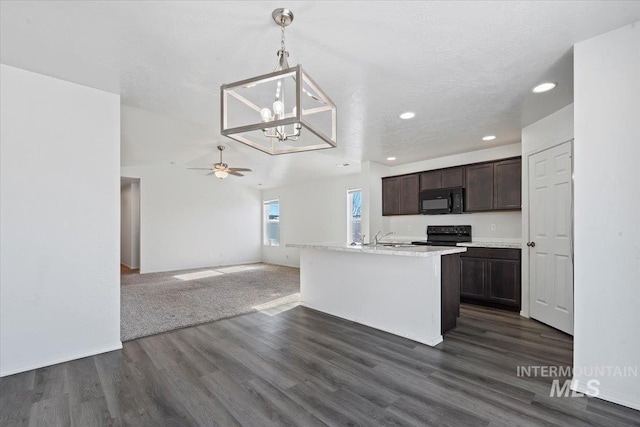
305 368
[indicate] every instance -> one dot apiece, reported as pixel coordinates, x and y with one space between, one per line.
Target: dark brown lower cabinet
473 277
504 281
491 276
450 308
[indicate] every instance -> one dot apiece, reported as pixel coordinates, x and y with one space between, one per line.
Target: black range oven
443 201
446 235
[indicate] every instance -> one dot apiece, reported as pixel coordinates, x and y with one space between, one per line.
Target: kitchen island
397 289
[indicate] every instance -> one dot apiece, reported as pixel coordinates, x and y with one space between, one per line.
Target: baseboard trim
609 396
282 264
210 267
62 359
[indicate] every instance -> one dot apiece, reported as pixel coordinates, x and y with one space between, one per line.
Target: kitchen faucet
376 239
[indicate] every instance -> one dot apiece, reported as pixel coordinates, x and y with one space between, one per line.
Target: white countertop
414 251
492 244
482 242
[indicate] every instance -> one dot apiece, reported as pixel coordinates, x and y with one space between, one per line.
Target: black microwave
443 201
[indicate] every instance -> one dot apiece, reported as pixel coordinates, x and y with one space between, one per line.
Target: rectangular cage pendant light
281 112
304 121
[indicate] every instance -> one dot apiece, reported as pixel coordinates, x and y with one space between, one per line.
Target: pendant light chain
282 63
283 54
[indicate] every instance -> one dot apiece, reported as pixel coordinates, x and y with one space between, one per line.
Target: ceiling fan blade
234 173
240 169
210 173
201 169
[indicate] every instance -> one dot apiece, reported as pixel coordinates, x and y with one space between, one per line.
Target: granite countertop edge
412 251
499 245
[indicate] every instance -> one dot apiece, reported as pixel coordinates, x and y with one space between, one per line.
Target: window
354 215
271 222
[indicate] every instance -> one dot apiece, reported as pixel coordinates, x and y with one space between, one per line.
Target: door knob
531 244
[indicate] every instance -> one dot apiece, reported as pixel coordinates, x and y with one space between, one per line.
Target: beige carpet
159 302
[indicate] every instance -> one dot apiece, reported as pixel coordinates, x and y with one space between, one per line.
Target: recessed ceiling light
408 115
391 158
544 87
489 138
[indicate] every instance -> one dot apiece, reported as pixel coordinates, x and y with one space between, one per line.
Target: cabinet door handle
531 244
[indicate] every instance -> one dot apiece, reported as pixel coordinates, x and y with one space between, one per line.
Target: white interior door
550 237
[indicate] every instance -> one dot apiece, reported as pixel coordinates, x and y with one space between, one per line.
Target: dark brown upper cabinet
431 180
493 186
400 195
453 177
489 186
409 194
507 192
442 178
478 193
391 196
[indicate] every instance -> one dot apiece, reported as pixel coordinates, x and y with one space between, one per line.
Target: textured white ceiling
465 68
156 139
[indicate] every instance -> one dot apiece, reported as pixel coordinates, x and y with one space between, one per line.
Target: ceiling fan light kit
222 170
281 112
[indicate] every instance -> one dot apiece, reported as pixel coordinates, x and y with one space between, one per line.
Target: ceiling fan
222 170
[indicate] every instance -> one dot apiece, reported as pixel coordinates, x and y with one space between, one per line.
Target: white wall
607 206
371 183
507 224
189 220
59 255
310 212
130 224
548 132
315 212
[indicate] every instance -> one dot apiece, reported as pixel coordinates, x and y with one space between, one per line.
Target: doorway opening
129 225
